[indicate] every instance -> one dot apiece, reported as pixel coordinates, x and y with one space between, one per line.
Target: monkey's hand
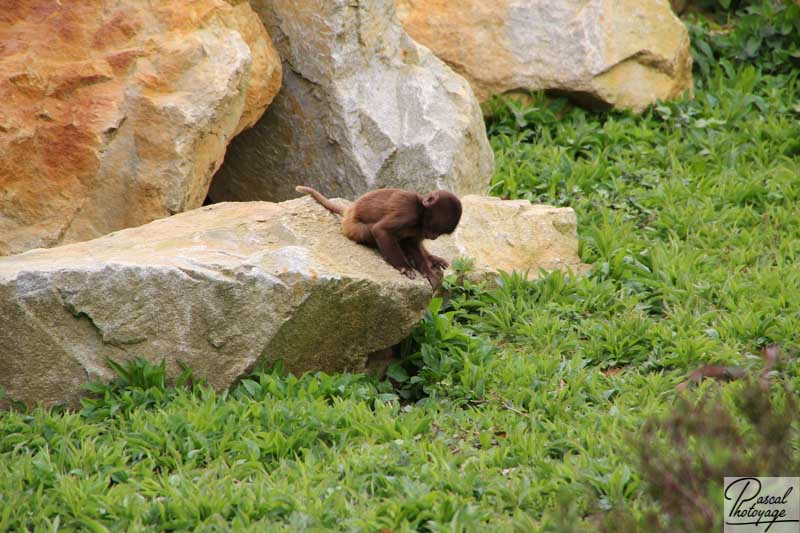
438 263
408 272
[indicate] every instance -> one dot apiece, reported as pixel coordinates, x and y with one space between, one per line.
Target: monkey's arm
420 259
391 250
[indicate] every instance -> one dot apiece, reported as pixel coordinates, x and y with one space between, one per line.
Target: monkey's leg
391 250
357 231
412 253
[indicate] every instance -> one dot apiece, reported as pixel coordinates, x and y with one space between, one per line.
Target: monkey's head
442 214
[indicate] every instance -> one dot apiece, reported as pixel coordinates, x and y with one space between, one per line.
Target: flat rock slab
512 235
219 288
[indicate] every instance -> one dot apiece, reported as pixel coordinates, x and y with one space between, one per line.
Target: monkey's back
375 206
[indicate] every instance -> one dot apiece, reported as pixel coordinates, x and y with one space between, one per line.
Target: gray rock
362 106
220 288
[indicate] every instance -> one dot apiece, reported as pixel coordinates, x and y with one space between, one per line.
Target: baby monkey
397 221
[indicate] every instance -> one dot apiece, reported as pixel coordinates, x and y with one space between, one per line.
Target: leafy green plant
139 383
277 385
765 33
441 358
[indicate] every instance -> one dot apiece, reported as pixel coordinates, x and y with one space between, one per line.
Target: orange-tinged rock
265 80
113 114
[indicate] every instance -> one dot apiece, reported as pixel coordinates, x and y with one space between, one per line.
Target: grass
528 406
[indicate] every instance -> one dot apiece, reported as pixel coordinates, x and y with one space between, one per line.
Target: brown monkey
397 221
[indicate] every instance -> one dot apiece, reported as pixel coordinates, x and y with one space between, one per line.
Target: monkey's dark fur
397 221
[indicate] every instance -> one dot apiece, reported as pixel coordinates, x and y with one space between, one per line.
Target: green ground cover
522 407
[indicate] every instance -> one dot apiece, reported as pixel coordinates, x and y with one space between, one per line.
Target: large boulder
113 114
220 288
512 235
362 106
622 53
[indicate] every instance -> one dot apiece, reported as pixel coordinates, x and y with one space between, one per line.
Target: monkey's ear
431 199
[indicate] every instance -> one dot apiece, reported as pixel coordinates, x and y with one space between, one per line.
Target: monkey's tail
324 202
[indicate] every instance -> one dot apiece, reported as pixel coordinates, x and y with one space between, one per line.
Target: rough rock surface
511 235
362 106
622 53
113 114
220 288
